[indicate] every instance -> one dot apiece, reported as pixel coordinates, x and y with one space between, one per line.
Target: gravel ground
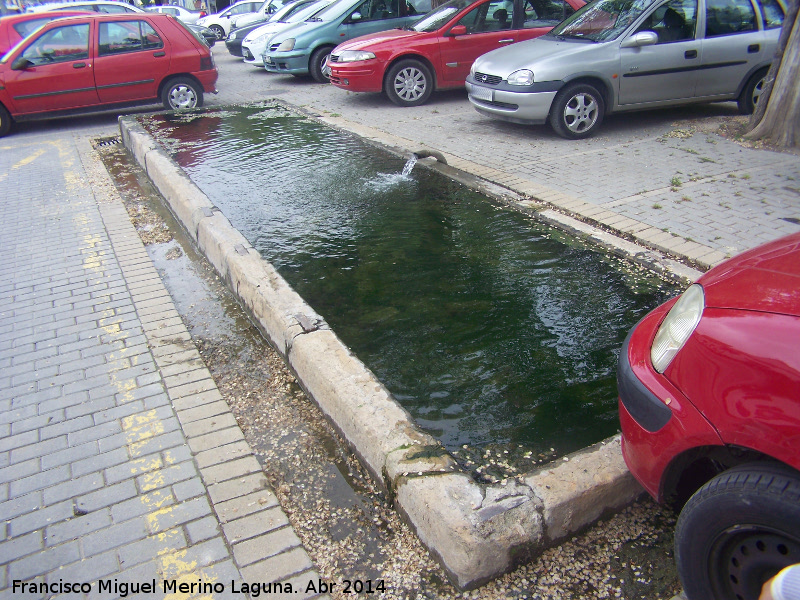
345 520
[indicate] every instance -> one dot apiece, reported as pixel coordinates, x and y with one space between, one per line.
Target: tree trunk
777 114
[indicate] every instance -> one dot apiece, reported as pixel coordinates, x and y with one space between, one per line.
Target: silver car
620 55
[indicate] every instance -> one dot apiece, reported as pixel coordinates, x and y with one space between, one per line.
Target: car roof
60 5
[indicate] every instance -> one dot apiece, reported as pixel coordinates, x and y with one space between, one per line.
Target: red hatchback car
15 27
709 387
96 61
439 49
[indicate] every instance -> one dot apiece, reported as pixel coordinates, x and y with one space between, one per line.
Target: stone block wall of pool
477 530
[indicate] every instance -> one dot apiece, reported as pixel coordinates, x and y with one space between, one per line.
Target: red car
439 49
96 61
15 27
709 389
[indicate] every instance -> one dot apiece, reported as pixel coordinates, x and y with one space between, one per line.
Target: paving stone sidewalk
119 459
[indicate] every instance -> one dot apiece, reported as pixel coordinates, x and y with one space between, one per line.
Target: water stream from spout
409 166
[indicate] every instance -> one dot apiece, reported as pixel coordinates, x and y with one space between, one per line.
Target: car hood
268 28
365 42
533 54
765 279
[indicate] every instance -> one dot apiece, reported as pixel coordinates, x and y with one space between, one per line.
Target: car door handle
159 54
753 48
690 54
80 65
506 41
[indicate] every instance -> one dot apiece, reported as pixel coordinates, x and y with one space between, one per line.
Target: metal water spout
431 153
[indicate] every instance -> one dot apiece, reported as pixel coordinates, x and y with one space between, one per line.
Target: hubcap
182 97
409 84
759 87
744 557
580 113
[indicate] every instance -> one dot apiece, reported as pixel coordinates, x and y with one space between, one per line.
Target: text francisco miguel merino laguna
122 588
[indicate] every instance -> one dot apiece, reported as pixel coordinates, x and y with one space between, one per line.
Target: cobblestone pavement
117 458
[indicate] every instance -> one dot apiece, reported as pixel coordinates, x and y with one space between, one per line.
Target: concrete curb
477 532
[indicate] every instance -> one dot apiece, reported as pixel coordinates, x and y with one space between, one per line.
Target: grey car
621 55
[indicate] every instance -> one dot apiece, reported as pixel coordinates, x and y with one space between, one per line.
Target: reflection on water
486 328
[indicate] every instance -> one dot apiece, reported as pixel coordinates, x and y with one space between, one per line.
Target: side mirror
21 63
356 16
643 38
458 30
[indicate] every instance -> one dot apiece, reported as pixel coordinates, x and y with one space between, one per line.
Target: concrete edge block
582 487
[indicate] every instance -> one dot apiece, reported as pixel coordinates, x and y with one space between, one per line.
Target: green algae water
492 330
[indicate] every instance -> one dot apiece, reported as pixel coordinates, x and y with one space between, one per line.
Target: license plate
482 93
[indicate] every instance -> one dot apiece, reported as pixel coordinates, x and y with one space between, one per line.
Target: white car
255 43
190 17
220 23
102 6
264 13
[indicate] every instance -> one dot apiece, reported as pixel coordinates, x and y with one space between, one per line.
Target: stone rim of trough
476 531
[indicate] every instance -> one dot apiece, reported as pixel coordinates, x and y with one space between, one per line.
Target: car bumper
250 56
208 79
366 76
658 422
516 107
286 62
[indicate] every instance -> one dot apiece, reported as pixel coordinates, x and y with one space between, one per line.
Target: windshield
334 11
306 11
601 20
437 18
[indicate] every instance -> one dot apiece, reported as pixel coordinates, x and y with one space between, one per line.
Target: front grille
488 79
496 104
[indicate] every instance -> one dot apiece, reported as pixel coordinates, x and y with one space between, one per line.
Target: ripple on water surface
488 327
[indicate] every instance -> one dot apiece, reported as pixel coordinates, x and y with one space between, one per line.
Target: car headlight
472 69
286 45
355 55
260 39
521 77
678 325
233 35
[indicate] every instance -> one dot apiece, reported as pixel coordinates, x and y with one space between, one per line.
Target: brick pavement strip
97 476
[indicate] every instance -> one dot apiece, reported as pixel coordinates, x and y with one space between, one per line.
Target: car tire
737 531
218 31
318 58
577 111
5 121
409 83
750 94
182 93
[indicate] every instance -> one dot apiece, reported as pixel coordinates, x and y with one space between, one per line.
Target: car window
545 13
771 13
61 44
488 16
725 17
26 27
118 37
674 21
379 10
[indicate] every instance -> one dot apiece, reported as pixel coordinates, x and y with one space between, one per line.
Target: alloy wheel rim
580 113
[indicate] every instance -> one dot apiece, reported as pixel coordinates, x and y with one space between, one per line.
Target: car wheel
218 31
751 93
182 93
316 65
409 83
737 531
577 111
5 121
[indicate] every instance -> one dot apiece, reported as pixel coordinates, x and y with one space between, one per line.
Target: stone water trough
476 531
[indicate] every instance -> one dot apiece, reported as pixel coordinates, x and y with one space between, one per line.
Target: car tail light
207 63
203 13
